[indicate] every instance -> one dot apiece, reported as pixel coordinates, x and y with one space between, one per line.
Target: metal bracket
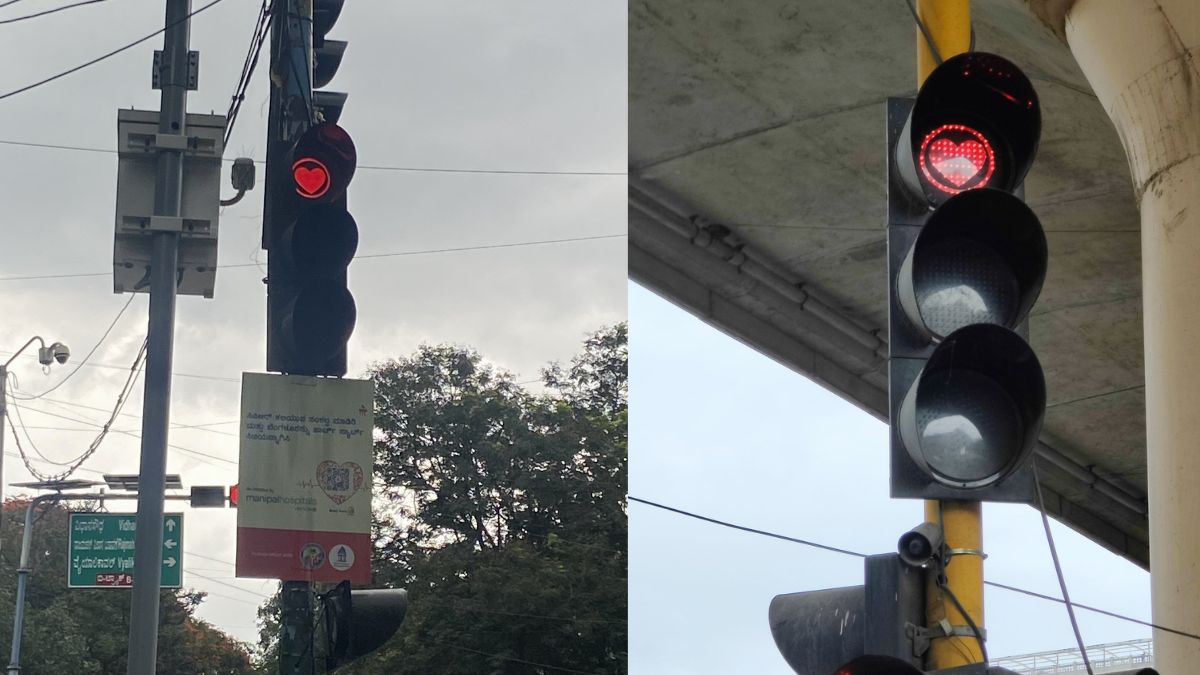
193 70
951 552
922 636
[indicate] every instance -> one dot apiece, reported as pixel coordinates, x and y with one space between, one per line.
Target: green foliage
84 631
503 513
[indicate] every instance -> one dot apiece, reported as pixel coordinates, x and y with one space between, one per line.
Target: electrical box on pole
966 262
138 146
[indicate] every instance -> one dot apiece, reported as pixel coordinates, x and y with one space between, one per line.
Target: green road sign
100 554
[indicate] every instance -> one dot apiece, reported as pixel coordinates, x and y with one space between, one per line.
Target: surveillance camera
60 352
921 545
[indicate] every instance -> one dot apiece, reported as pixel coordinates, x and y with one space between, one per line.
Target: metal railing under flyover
1105 658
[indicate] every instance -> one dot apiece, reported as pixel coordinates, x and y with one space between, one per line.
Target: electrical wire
85 358
945 587
744 528
457 249
925 32
224 583
131 434
361 167
198 427
10 2
1062 583
29 439
248 66
102 57
993 584
49 11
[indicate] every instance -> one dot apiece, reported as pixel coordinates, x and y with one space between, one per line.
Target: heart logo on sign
958 163
339 482
312 179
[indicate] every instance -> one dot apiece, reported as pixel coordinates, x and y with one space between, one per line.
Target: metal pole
168 193
296 649
14 661
948 25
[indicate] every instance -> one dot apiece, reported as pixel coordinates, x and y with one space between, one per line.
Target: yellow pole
948 23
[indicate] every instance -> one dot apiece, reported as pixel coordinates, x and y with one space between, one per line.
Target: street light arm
18 352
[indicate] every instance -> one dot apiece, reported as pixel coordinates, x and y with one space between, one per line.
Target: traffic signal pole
948 24
168 194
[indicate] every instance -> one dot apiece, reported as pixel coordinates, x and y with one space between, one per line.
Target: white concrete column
1142 58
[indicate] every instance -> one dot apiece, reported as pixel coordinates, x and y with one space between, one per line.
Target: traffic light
359 622
327 57
966 262
310 311
857 630
308 233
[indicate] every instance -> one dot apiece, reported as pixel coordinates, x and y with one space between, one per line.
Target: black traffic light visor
973 415
975 123
980 258
323 162
818 631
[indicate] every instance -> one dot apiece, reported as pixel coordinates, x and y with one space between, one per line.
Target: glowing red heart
311 181
958 162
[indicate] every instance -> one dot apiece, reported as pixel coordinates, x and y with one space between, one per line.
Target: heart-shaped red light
957 162
312 179
955 157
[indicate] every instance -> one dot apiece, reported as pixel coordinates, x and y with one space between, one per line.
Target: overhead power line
994 584
102 57
49 11
396 254
131 434
239 91
361 167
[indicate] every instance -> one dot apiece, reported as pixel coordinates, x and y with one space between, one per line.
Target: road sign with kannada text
100 552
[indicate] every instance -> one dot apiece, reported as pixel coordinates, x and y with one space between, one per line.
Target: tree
503 513
86 631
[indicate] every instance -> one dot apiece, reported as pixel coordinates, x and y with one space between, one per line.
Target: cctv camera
60 352
920 545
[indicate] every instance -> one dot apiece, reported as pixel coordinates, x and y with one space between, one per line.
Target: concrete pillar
1142 58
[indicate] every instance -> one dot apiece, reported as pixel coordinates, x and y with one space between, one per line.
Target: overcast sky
720 430
528 86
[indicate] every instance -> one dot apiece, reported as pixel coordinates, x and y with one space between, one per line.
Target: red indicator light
955 157
233 494
311 176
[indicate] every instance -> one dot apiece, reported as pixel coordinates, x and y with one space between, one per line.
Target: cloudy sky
533 86
720 430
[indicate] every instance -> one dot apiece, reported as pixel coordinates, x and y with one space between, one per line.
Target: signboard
304 478
100 550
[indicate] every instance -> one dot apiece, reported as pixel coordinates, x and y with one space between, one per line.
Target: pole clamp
951 552
922 636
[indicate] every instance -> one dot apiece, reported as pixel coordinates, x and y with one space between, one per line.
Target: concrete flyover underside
756 201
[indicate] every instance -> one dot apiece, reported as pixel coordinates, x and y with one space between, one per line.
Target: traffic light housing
309 235
966 262
857 630
357 622
310 311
